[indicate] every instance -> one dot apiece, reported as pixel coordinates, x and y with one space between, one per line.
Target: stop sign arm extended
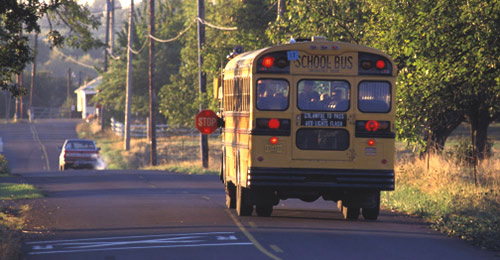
207 121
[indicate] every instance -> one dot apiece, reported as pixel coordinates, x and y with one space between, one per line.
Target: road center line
251 237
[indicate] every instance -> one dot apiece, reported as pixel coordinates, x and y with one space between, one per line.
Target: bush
4 165
463 150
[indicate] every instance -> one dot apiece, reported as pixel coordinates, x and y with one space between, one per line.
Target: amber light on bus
371 142
273 140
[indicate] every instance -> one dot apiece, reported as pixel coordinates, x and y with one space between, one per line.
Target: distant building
84 96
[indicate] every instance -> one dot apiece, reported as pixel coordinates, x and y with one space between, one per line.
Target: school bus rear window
272 94
374 97
323 95
322 139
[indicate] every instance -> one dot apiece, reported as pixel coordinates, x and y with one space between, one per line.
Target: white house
84 96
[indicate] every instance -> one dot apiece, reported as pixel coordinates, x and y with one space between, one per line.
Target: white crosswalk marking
138 242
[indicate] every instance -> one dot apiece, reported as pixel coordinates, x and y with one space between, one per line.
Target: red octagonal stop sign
206 121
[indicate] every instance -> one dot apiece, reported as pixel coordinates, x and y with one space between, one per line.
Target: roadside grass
11 223
12 217
444 193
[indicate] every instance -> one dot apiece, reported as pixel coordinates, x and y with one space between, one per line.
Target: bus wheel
264 210
372 213
243 205
230 196
350 213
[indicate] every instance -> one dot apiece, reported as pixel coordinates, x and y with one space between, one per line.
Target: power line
137 52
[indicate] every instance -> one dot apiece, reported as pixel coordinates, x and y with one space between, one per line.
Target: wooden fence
141 130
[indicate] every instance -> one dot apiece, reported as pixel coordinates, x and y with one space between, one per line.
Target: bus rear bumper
282 178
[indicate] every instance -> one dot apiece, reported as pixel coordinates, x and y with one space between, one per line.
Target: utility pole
112 27
129 78
202 79
101 112
18 111
68 87
152 92
33 72
106 40
21 97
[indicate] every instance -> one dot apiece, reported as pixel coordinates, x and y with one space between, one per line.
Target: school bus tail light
272 126
273 140
372 126
274 123
374 129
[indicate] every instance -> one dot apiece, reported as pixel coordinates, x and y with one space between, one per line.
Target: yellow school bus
308 120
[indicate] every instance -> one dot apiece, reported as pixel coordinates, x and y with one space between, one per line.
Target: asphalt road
161 215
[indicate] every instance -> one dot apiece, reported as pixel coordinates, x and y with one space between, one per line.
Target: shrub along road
153 214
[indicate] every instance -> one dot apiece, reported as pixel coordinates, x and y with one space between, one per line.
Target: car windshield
80 145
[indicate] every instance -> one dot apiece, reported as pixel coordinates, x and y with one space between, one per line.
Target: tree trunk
442 127
479 131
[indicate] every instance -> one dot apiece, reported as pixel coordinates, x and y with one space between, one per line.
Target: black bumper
278 178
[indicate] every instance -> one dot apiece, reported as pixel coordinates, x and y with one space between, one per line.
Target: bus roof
318 47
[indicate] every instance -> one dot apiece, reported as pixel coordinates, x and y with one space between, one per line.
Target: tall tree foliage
17 16
251 22
447 52
112 90
342 20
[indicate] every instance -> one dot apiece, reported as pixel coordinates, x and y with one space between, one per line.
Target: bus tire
350 213
243 204
264 210
230 195
372 213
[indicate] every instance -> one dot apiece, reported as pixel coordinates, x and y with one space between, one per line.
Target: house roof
90 87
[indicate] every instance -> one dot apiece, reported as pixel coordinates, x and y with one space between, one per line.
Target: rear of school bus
313 120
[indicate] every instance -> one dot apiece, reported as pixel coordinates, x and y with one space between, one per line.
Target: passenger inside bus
334 102
308 98
271 95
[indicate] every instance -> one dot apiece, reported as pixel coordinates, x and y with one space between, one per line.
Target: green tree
17 16
112 89
180 100
342 20
447 53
